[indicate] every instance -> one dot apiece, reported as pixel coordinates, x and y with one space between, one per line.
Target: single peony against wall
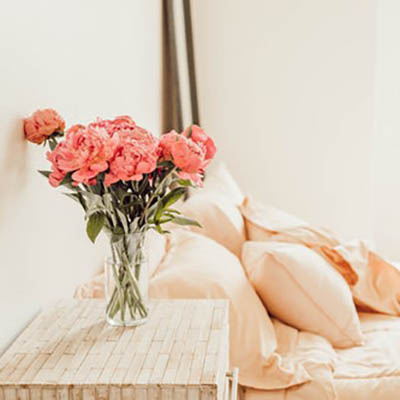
44 125
127 181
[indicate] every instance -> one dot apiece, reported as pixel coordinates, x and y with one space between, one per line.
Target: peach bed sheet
369 371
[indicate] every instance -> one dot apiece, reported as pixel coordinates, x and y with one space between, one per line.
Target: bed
370 371
310 368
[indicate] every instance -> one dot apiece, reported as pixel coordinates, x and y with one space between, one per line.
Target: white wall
287 89
385 190
86 59
301 96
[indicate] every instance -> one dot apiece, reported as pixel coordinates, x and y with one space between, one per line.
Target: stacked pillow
293 279
281 258
266 223
373 282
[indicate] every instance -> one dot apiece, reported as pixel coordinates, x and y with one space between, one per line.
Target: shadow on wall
13 164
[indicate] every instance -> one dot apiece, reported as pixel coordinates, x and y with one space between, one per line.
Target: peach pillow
216 207
378 285
300 288
197 267
220 181
220 219
266 223
374 282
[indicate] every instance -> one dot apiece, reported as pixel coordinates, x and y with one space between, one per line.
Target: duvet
369 371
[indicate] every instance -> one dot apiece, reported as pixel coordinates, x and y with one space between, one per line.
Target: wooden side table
69 352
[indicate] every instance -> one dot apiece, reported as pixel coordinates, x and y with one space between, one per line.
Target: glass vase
126 286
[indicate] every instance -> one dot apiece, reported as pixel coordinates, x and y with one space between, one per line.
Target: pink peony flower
118 124
185 154
140 135
201 139
85 152
42 124
137 154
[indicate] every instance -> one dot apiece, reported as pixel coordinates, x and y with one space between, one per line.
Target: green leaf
67 179
143 184
77 197
52 141
165 164
94 204
185 182
185 221
46 174
123 220
172 211
165 220
172 197
108 203
95 225
58 134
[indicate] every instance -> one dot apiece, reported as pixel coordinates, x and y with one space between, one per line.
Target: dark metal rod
191 62
173 64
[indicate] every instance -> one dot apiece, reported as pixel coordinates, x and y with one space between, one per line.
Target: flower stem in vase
127 282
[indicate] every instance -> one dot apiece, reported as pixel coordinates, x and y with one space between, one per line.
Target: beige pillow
216 207
378 285
300 288
197 267
220 219
266 223
374 282
220 181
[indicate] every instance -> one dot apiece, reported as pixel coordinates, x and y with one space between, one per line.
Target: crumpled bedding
369 371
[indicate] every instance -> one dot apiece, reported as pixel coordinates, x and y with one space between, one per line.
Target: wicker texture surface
70 352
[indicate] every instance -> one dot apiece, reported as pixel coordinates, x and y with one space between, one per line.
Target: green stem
155 193
119 288
126 293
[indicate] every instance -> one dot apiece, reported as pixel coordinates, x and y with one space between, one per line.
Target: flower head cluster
123 151
198 136
136 154
190 151
85 153
42 124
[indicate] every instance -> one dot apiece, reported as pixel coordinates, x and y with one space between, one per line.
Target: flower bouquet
127 181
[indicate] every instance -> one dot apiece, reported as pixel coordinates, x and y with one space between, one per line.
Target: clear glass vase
126 273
